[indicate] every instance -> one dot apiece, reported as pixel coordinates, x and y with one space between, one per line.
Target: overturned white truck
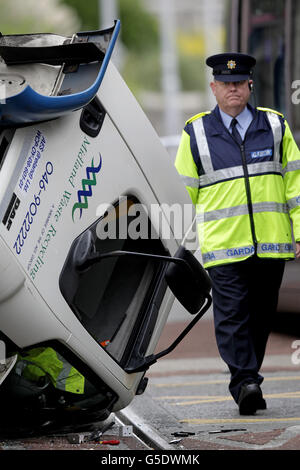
87 276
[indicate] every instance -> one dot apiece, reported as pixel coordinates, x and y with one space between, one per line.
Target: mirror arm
148 361
96 257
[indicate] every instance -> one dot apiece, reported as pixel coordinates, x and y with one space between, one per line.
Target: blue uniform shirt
244 120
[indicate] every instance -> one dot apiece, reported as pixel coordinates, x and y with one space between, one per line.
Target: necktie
235 133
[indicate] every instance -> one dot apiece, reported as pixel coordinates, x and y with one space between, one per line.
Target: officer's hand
298 250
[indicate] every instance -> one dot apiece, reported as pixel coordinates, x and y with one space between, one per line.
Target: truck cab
91 256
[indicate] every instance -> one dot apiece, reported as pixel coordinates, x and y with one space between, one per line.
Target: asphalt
187 407
188 393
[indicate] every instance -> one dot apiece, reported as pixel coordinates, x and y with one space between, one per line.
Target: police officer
241 167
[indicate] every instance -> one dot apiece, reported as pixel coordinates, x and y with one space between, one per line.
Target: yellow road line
188 384
199 399
235 420
219 399
186 397
198 402
221 381
282 378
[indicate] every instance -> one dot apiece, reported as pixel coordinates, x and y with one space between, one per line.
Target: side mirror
189 282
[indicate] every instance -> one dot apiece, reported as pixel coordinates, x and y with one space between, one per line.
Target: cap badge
231 64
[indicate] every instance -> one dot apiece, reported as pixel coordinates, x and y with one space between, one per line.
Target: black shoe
262 405
251 399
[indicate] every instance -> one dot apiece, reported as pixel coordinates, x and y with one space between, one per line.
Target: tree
86 11
139 29
18 16
139 35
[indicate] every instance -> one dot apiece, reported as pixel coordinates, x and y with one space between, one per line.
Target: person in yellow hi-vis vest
44 363
241 167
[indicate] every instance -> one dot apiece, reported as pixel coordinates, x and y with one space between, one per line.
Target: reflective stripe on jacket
244 195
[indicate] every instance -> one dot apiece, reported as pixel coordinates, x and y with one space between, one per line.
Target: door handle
92 117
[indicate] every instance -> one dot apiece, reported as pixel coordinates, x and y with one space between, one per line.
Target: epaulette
270 110
197 116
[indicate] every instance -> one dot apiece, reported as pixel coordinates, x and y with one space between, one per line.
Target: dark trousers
245 296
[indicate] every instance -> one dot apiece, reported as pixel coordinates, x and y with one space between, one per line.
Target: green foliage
87 12
139 34
19 17
142 74
139 29
191 72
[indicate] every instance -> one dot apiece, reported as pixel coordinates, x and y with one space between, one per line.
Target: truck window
114 296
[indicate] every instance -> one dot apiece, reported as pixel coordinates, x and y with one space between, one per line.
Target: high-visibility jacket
46 362
244 194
